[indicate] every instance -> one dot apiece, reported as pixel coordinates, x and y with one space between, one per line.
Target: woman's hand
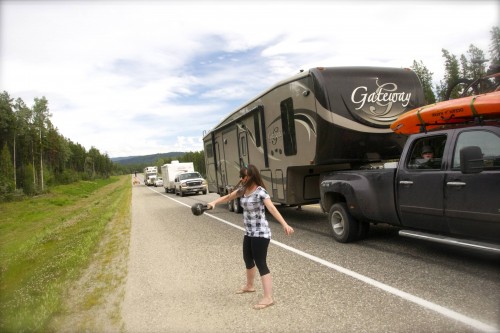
274 212
226 198
288 230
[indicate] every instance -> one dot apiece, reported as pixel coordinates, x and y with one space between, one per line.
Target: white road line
409 297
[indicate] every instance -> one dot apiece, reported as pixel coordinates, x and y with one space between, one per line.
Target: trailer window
243 140
288 126
256 125
209 150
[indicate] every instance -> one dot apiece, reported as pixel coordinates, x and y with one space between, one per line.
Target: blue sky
144 77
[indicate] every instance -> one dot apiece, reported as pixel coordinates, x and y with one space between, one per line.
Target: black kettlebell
198 208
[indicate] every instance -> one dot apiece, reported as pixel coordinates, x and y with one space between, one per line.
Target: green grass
48 242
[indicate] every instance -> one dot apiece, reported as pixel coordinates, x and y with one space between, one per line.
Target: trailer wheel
344 226
237 206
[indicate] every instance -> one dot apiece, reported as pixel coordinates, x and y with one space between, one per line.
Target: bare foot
264 303
246 290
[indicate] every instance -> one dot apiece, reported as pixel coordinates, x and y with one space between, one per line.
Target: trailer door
231 164
220 174
209 165
243 149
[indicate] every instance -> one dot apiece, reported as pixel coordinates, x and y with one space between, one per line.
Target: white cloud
142 77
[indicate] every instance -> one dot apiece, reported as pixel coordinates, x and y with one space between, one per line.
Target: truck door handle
405 182
458 184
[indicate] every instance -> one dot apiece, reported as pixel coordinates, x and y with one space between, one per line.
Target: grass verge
63 258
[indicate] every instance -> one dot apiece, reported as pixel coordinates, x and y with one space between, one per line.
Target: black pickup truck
453 197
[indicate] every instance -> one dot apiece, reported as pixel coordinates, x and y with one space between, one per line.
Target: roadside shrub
68 176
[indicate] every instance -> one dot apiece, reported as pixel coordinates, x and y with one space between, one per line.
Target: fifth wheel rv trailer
170 170
320 120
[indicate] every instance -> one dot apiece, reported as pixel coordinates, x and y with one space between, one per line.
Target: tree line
35 155
471 66
197 157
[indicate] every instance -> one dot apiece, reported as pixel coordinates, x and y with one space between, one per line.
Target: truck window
488 142
288 125
427 153
189 175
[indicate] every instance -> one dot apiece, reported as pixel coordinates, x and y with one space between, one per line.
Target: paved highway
184 270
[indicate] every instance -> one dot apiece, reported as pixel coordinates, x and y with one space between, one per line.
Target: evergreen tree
495 49
41 122
6 172
475 64
198 159
7 120
77 156
425 77
451 74
28 181
22 139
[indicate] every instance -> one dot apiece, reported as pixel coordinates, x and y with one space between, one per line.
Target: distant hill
145 159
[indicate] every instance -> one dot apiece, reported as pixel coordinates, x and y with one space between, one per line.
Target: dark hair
253 175
427 149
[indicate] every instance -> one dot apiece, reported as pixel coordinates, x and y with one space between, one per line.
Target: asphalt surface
184 270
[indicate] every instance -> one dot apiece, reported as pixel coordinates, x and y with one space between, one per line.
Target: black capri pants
255 253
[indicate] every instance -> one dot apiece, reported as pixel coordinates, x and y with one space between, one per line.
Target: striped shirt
254 213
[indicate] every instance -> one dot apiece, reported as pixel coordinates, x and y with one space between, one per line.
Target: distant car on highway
159 182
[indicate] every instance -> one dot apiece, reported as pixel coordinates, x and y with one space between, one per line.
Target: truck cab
150 180
451 196
457 190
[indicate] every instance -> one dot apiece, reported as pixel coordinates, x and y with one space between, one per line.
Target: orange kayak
437 115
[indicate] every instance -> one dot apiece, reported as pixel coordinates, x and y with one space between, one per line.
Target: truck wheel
344 225
181 193
237 207
230 206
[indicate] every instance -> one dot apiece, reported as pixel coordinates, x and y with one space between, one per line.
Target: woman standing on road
254 199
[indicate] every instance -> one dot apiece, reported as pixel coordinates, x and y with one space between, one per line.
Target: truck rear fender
339 190
368 194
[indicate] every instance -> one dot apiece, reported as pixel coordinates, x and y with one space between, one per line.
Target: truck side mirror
471 160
